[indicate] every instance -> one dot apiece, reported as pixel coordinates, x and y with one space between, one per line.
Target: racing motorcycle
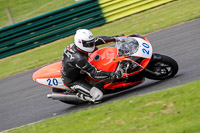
132 55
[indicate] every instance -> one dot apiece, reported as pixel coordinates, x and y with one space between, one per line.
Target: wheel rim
163 69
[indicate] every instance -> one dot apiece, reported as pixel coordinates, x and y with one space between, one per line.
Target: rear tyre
56 90
74 102
166 67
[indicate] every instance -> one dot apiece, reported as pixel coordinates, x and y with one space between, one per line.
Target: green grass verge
25 9
173 110
158 18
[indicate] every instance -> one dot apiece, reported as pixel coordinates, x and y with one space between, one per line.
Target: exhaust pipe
62 97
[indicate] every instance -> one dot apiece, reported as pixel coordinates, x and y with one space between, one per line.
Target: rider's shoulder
79 56
70 47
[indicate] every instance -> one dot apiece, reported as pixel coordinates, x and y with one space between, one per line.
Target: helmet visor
88 43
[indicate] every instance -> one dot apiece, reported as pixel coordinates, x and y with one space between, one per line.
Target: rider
75 64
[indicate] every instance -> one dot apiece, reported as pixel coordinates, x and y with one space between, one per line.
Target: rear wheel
166 67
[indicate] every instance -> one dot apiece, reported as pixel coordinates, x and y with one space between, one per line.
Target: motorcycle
132 55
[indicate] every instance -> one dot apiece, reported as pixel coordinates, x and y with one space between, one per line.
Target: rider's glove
116 75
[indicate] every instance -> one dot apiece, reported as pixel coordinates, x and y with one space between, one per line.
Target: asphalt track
22 101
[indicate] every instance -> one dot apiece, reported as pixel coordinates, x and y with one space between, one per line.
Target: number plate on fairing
52 82
145 49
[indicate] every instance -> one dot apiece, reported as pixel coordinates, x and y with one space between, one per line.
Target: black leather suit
75 63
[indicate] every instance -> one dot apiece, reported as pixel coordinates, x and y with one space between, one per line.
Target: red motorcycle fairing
107 59
103 59
112 86
49 71
50 76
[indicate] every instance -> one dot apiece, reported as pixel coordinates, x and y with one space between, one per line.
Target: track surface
23 101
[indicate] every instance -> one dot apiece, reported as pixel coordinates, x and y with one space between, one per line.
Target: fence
116 9
64 22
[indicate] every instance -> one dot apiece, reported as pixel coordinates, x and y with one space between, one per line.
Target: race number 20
145 49
52 82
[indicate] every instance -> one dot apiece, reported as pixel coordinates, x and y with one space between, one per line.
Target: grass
145 22
24 9
174 110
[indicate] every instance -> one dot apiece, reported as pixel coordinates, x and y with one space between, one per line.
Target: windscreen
126 46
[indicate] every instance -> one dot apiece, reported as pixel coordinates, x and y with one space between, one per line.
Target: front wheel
164 68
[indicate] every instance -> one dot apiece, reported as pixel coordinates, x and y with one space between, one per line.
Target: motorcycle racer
75 65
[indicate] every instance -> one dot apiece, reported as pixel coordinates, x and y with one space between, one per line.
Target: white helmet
84 40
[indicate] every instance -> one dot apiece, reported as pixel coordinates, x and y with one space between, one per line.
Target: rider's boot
93 95
96 94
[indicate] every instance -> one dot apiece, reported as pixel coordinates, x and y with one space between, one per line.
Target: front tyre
164 68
